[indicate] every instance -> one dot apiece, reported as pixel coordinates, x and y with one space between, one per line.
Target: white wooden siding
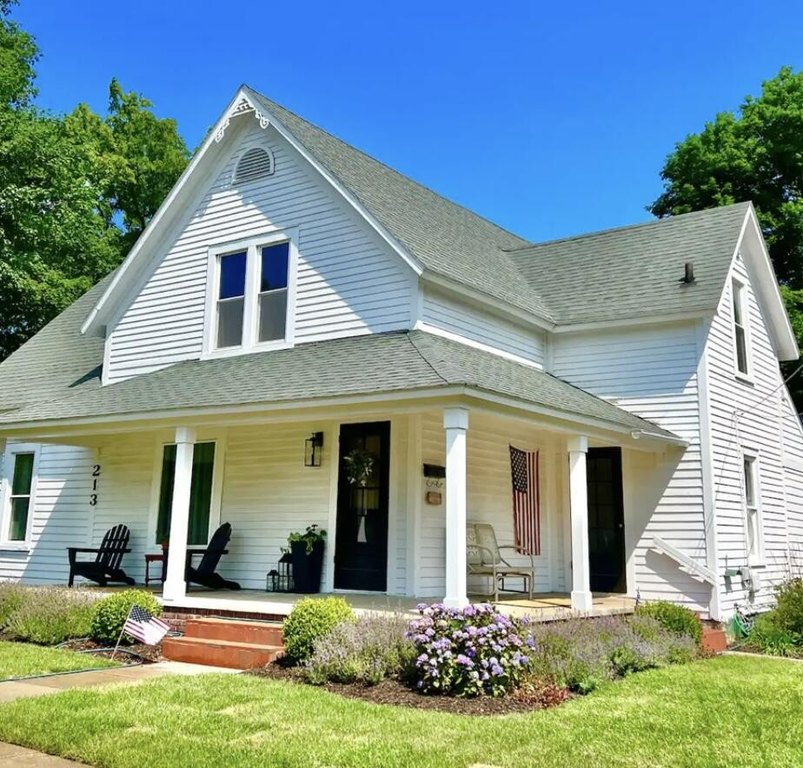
349 282
475 324
651 371
61 514
747 415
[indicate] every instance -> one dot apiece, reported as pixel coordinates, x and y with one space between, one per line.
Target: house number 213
93 497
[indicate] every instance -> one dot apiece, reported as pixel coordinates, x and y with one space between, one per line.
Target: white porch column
175 587
578 504
455 423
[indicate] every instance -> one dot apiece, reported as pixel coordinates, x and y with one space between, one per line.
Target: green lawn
23 660
730 711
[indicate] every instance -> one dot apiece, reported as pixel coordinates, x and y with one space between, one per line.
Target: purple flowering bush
469 651
368 650
581 654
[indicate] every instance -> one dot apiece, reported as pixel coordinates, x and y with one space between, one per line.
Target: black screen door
606 520
361 545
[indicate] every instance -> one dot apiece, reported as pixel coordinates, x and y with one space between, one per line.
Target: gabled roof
400 361
446 238
635 271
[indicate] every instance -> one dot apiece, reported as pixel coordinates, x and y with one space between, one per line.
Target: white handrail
685 562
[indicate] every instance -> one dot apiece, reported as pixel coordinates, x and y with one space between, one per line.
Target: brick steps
226 643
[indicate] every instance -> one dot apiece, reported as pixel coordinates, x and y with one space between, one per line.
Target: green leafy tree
75 191
754 154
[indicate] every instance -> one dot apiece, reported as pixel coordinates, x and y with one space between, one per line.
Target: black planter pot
307 568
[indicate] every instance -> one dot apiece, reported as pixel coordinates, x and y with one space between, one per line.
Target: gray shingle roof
445 237
635 271
329 369
55 362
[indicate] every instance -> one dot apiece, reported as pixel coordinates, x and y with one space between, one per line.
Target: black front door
606 520
361 545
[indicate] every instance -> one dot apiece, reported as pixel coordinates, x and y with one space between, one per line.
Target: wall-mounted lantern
313 450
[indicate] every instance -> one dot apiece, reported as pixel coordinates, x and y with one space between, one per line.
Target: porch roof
355 366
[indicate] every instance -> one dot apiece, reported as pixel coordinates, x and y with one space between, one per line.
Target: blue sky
549 118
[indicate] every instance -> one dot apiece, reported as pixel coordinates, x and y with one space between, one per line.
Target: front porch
401 537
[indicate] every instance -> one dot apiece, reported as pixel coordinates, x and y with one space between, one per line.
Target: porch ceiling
390 363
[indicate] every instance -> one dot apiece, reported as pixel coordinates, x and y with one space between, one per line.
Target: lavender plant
366 651
471 651
50 615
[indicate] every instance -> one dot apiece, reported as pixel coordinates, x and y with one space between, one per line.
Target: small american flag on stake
526 501
144 627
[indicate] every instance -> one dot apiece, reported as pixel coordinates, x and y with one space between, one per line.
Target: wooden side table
154 558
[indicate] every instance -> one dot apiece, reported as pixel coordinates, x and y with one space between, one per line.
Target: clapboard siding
652 372
348 281
746 416
489 499
61 515
450 314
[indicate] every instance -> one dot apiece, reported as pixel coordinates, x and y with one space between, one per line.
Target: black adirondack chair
206 573
106 565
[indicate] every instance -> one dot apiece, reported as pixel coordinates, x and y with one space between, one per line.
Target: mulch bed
149 653
396 693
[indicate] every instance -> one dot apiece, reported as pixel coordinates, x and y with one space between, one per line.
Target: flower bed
476 660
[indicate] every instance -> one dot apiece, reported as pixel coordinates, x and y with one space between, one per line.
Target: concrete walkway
12 755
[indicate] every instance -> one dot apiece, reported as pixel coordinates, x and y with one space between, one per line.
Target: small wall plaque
435 498
434 470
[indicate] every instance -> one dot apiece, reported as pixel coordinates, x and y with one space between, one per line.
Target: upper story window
741 339
251 307
752 504
20 462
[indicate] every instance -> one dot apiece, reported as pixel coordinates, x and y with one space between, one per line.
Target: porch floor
545 606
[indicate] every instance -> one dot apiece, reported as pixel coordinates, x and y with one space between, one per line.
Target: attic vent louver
256 163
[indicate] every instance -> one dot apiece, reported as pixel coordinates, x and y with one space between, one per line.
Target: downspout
707 462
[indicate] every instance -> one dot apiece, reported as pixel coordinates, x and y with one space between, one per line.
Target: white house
291 286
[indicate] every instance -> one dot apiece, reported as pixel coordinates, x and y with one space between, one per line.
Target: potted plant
306 550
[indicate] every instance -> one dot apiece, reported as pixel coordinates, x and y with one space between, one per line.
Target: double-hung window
741 338
20 463
752 505
252 288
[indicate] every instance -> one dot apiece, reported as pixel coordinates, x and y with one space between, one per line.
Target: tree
755 154
75 191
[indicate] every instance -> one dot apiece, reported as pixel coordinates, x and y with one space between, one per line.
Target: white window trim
251 246
739 293
757 557
9 459
217 485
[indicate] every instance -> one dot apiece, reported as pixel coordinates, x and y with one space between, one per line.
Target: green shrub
675 618
367 651
770 636
311 619
789 610
12 596
51 615
111 613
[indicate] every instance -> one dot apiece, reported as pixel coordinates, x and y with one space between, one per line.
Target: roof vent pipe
688 273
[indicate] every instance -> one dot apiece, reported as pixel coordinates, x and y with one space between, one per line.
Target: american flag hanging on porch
526 501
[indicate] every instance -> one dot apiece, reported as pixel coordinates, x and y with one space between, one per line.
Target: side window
752 505
20 478
740 330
